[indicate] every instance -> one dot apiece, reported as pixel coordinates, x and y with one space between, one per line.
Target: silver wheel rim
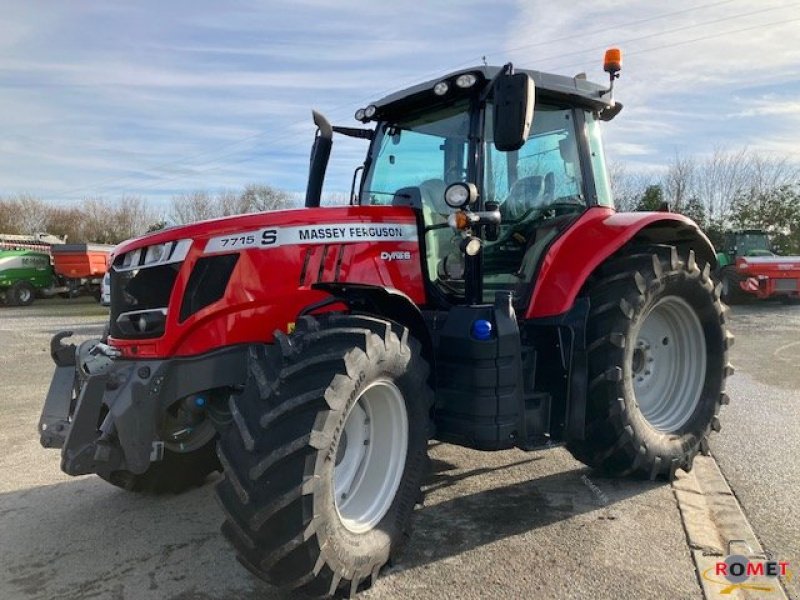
24 295
371 456
668 364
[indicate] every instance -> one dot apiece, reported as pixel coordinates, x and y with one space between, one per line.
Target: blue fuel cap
482 330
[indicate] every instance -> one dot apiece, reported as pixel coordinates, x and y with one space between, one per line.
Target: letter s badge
269 237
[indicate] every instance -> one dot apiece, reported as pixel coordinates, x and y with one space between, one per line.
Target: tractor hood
255 230
186 290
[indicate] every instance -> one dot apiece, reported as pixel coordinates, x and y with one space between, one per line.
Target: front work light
361 114
459 194
466 80
440 89
370 111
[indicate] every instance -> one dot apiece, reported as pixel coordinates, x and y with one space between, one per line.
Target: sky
101 99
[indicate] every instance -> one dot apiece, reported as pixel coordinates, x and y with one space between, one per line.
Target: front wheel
324 465
658 346
21 293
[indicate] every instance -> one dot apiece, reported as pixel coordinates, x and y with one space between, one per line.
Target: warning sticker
342 233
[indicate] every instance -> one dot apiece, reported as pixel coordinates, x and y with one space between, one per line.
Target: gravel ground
494 525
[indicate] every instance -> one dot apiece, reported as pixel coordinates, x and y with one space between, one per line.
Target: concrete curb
712 518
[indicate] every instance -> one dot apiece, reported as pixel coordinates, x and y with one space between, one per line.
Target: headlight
156 253
130 260
151 256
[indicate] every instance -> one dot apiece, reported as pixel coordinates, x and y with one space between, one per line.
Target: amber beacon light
612 62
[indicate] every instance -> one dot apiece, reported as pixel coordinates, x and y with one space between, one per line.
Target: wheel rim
185 431
24 295
371 456
668 364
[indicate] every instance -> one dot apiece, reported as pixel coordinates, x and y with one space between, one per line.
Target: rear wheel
324 466
21 293
657 364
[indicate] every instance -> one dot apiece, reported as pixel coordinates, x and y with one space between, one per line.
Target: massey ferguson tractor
480 289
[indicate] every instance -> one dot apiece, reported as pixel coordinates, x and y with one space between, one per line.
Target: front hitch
63 355
54 422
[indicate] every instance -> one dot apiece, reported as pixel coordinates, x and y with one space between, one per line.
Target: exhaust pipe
320 153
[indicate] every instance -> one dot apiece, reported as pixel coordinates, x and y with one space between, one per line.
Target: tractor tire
658 359
731 293
177 472
21 293
328 453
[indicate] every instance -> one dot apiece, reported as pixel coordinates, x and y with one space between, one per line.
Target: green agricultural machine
44 265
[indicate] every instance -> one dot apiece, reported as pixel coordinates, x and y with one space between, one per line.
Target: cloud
770 106
160 98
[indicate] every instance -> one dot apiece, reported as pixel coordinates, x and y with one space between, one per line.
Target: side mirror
514 97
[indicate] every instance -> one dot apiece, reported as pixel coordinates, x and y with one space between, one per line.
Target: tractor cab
750 242
497 162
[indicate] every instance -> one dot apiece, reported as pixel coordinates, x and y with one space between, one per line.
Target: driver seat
523 196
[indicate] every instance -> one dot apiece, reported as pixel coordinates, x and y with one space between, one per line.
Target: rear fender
593 238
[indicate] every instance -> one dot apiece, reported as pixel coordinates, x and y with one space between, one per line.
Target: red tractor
480 290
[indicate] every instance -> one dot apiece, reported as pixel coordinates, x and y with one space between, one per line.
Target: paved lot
495 525
759 445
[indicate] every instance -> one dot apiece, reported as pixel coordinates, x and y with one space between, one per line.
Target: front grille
140 292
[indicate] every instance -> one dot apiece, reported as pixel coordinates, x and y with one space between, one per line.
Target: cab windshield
428 153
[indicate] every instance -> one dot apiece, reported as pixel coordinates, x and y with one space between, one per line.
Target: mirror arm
506 69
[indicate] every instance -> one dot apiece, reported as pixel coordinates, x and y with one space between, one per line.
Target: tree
679 182
192 207
627 187
776 211
264 197
695 210
157 226
652 199
202 205
131 216
31 214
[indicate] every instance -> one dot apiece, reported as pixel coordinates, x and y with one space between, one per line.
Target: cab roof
573 90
